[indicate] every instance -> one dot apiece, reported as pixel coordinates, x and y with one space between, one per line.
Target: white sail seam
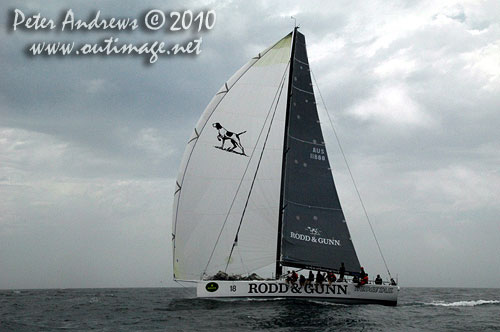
314 206
302 62
309 92
308 142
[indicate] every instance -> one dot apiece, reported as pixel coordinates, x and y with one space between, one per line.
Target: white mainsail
215 186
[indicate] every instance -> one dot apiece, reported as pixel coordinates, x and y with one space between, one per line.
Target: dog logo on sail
224 135
313 231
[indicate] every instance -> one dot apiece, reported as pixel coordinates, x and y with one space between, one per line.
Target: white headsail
224 173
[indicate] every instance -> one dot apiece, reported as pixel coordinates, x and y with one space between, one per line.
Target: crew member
331 277
302 280
363 277
319 277
310 278
341 272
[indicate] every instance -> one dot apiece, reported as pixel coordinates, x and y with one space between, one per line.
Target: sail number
318 154
232 288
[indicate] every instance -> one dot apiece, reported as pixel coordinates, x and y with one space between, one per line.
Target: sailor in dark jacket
319 277
310 278
341 272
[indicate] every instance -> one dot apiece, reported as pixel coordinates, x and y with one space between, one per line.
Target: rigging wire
350 173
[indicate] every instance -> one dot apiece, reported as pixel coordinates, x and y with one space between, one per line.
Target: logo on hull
212 287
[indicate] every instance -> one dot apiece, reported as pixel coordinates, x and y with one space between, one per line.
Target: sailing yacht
255 189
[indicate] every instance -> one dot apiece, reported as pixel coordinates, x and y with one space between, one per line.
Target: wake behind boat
255 189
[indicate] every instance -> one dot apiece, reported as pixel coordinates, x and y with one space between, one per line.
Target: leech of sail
352 177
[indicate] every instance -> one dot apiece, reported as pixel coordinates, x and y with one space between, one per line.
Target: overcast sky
90 147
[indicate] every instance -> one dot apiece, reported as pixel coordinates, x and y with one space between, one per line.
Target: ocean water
177 309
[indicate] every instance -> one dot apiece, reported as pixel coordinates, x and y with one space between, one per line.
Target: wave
288 299
272 299
463 303
304 300
327 303
265 299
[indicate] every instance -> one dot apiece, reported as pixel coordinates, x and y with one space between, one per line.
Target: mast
279 268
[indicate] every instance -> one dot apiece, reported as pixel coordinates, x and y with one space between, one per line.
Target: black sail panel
314 230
